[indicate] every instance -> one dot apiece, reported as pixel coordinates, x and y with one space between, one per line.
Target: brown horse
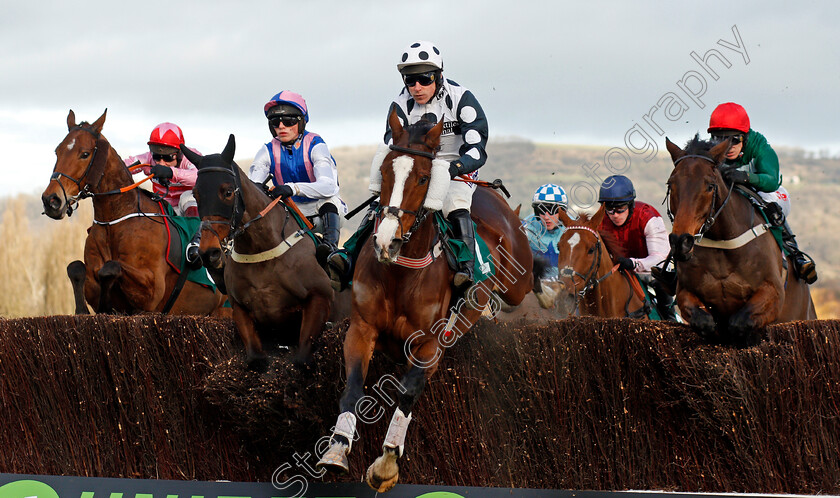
589 276
402 292
732 276
125 268
272 278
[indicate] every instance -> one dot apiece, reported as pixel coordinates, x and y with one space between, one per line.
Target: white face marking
71 144
389 226
573 241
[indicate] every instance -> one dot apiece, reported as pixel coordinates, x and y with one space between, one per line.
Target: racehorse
272 277
589 276
402 289
732 277
125 268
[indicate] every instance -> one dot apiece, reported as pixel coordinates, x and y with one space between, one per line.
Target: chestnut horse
272 278
125 268
731 274
402 293
589 277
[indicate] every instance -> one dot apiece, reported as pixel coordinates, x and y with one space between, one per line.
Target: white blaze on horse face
573 241
390 224
71 144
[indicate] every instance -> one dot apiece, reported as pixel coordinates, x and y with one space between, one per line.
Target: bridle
590 279
234 221
96 169
712 216
397 212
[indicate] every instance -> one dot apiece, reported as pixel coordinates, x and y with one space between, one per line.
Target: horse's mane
698 147
417 131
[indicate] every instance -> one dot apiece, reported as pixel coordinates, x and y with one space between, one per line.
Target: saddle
456 251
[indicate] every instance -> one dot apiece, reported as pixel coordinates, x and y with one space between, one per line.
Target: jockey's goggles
425 79
288 121
540 209
736 139
165 157
616 208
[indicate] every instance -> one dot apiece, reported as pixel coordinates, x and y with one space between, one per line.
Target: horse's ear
193 157
99 123
718 152
598 217
71 120
564 217
516 211
230 148
395 124
432 138
674 149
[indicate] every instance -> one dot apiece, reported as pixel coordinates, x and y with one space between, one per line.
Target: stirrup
462 280
338 268
193 259
806 269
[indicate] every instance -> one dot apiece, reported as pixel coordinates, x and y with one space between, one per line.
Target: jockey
174 176
751 161
544 228
427 95
300 166
641 232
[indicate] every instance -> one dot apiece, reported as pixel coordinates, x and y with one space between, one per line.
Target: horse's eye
229 193
710 187
423 180
591 250
84 155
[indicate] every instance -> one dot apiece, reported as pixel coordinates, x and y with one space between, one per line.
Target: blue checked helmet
550 194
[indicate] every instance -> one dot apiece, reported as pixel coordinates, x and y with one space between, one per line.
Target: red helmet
729 116
167 134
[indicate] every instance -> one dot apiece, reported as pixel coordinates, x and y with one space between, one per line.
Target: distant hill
813 182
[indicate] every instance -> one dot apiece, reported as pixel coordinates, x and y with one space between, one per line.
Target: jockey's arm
656 239
261 167
766 175
326 175
473 125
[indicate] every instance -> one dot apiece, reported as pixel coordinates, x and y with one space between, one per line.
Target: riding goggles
425 79
616 209
736 139
165 157
288 121
540 209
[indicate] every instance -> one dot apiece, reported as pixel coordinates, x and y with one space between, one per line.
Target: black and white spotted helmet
421 53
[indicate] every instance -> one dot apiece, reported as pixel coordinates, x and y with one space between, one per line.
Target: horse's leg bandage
395 438
346 426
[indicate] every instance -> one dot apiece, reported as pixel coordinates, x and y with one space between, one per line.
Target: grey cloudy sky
560 72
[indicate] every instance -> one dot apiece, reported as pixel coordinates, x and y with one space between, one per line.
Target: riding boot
340 262
329 243
803 264
193 259
664 301
464 230
666 278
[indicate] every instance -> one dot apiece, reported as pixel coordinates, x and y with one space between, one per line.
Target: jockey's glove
735 176
626 264
282 191
453 169
162 173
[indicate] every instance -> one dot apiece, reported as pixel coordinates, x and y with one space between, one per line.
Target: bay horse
125 268
589 276
402 288
272 277
732 277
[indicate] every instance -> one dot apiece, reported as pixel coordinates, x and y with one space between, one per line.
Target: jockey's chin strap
712 216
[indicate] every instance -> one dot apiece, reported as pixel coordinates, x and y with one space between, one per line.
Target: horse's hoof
383 473
704 324
335 459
